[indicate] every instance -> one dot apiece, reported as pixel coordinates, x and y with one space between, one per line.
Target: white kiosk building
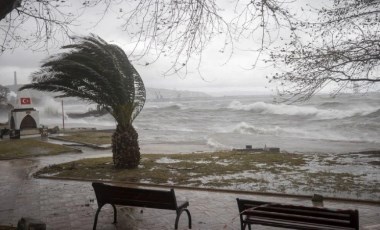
23 116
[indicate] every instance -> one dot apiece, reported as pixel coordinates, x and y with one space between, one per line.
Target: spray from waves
105 120
50 111
216 145
79 108
101 122
49 108
294 110
12 97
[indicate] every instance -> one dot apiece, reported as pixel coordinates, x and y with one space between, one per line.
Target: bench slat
141 203
326 213
301 218
292 224
295 216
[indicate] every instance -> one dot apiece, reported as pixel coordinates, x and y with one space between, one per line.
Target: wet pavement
63 204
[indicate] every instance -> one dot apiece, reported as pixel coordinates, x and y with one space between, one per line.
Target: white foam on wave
295 110
215 144
289 132
245 128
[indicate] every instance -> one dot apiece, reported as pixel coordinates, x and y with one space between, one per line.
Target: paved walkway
72 204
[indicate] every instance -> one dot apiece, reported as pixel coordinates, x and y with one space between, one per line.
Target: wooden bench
295 216
137 197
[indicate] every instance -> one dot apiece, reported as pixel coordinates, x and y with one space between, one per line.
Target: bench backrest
332 217
134 196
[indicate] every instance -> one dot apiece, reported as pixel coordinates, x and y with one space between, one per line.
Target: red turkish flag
25 101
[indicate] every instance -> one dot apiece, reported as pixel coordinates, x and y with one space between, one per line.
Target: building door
28 123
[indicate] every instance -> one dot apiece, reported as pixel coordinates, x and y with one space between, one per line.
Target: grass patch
271 172
21 148
181 168
94 137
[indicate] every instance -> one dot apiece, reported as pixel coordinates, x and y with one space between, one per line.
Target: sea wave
177 106
332 104
245 128
295 110
375 114
289 132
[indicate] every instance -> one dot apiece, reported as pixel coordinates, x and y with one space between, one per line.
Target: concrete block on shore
273 150
248 148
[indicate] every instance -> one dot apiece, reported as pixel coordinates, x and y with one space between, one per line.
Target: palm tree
95 71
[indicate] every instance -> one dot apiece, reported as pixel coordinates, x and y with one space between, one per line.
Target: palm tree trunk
125 147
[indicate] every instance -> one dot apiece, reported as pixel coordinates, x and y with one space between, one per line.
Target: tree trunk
125 147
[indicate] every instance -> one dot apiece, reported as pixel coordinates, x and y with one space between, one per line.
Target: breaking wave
244 128
375 114
215 144
294 110
247 129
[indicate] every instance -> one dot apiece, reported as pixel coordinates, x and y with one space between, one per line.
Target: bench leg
114 214
245 225
177 219
97 214
179 214
189 217
96 217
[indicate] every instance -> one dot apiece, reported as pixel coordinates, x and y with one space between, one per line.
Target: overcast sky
215 75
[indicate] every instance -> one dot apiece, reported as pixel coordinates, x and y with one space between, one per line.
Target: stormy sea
343 124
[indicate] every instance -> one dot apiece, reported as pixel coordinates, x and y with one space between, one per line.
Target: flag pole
63 116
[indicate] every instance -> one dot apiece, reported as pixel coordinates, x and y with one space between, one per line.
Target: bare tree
185 28
40 24
180 29
343 52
